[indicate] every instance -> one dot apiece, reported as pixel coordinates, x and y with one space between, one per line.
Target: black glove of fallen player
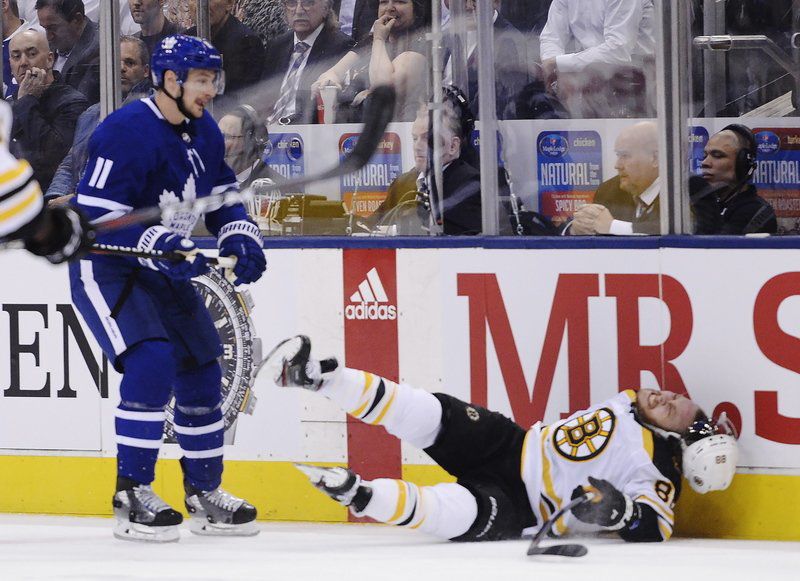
610 509
61 233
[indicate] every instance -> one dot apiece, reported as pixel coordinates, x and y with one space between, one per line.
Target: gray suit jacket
82 69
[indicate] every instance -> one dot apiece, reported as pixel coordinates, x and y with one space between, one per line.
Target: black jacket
742 213
330 46
153 41
44 127
364 16
82 69
462 201
242 55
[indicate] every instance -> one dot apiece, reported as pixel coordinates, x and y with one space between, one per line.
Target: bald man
628 203
45 110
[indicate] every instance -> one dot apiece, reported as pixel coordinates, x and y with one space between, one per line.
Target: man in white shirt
628 203
591 53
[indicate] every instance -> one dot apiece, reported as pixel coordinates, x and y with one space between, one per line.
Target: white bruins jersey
20 196
604 441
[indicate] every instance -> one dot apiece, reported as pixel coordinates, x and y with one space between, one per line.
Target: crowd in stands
553 59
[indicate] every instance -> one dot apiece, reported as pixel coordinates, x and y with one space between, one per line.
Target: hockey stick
378 114
563 550
226 262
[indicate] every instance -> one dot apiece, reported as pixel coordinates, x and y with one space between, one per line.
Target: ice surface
64 548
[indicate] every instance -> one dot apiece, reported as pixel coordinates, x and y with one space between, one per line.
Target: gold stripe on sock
420 507
368 378
401 501
385 409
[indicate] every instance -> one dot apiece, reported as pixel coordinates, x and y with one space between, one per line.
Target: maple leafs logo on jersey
181 222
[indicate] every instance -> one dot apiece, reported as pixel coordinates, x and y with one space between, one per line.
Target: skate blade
128 531
315 474
207 529
276 362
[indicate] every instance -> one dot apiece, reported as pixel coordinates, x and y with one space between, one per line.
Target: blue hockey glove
158 238
242 240
610 508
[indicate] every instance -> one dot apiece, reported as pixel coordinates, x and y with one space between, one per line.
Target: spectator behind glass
76 42
723 199
135 83
245 140
394 56
627 203
149 14
356 17
45 110
459 211
403 207
297 58
510 58
242 50
12 24
527 15
596 56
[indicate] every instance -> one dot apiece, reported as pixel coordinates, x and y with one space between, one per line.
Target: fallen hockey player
630 450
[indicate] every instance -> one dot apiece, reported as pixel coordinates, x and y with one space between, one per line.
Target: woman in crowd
394 54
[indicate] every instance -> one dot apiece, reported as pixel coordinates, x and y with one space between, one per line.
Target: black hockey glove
610 509
62 234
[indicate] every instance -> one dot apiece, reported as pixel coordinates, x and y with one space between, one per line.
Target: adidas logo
368 303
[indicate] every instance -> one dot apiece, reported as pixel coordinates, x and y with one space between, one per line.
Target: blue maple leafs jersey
137 159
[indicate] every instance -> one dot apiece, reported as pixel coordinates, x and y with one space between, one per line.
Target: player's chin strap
178 100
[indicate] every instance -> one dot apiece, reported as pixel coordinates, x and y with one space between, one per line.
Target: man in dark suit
76 42
296 59
241 48
413 204
627 203
510 57
356 17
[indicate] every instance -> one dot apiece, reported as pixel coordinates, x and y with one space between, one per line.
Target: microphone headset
254 132
746 157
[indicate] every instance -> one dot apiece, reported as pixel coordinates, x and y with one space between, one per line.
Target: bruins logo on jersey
586 436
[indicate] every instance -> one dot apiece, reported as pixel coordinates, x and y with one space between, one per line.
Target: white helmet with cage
710 457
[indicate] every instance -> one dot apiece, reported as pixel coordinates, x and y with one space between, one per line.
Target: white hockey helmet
709 457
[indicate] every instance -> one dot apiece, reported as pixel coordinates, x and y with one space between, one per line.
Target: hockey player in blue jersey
145 313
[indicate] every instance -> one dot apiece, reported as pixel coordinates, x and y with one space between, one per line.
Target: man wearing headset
245 140
723 199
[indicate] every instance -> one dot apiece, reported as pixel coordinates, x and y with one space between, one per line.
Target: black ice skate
142 516
341 484
290 364
219 513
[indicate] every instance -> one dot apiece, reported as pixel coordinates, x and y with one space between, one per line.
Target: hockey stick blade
378 114
570 550
565 550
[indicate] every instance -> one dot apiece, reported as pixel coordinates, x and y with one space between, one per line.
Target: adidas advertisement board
371 342
533 333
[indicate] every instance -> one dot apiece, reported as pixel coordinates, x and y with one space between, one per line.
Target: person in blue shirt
145 313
